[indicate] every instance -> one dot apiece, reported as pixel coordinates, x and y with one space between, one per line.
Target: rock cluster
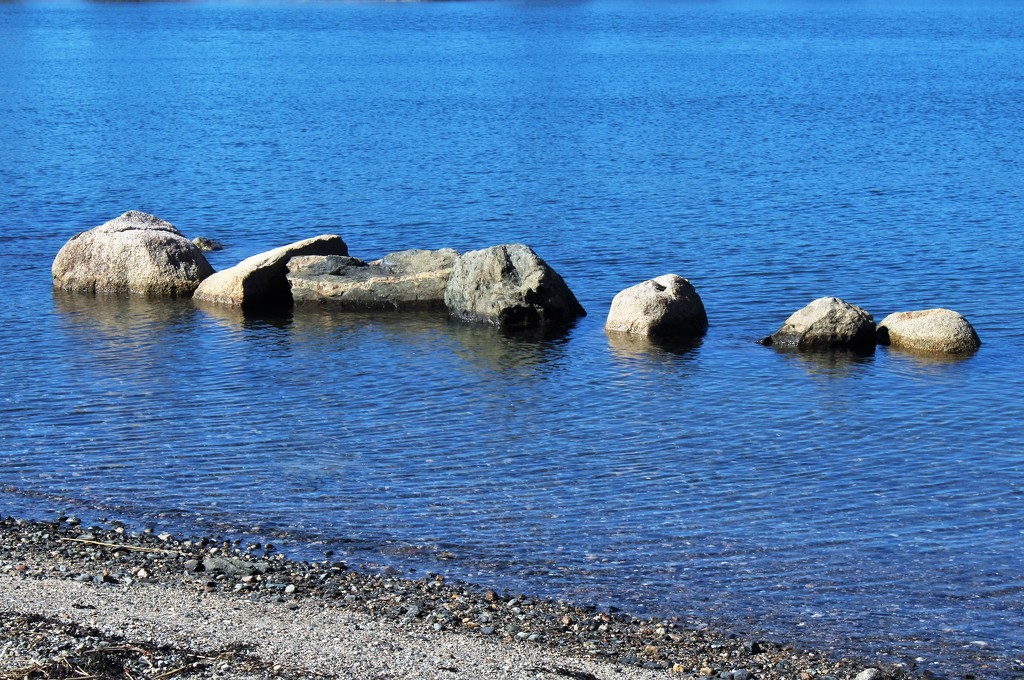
506 285
831 323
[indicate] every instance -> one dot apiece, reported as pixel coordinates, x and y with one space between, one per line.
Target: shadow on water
123 319
631 347
837 363
482 346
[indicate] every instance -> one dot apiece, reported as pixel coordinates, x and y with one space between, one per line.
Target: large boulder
406 280
826 323
134 254
261 281
929 330
509 286
666 307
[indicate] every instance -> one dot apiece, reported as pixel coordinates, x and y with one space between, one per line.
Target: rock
667 306
134 254
207 244
826 323
929 330
869 674
260 281
231 566
406 280
509 286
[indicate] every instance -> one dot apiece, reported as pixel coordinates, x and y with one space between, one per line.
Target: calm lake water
771 153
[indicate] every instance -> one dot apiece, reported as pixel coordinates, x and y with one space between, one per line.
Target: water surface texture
771 153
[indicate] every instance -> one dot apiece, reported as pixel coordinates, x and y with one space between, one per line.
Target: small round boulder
667 307
929 330
826 323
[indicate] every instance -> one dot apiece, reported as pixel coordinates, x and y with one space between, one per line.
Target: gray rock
826 323
260 282
869 674
667 306
231 566
509 286
134 254
929 330
406 280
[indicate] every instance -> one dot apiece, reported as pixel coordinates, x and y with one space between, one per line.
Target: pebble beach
105 602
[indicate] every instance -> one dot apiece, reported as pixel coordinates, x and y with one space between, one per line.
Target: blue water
771 153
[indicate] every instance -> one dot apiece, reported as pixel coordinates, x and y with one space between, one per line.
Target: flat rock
134 254
261 281
511 287
667 306
405 280
826 323
929 330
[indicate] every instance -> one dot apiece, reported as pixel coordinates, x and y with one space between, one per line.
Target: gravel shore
79 602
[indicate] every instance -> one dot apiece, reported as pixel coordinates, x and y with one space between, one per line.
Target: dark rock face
826 323
405 280
665 307
511 287
134 254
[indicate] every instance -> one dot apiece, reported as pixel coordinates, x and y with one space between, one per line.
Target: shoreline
106 602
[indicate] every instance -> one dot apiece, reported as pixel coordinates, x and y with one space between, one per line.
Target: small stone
207 244
487 630
289 589
869 674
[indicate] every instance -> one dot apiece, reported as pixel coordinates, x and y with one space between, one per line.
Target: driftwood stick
121 546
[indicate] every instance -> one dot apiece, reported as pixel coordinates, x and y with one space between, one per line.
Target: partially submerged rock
134 254
207 244
406 280
826 323
509 286
260 282
929 330
667 307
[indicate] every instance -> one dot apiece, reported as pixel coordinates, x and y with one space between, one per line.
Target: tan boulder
667 306
134 254
929 330
261 281
826 323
